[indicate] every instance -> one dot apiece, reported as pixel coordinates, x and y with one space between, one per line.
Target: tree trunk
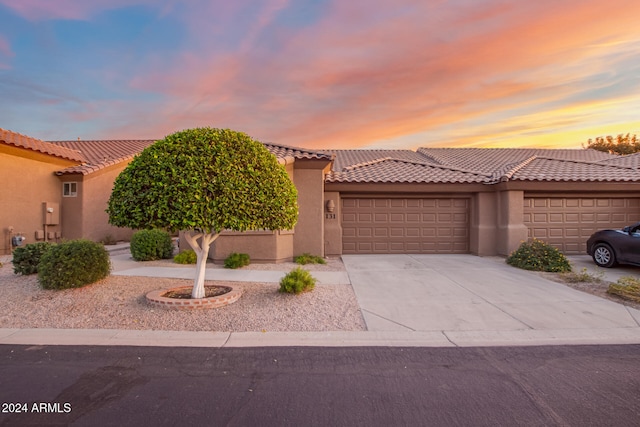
202 253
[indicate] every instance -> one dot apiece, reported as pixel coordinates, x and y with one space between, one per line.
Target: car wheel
603 255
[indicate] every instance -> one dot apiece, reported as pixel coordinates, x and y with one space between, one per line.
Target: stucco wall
309 231
28 180
97 189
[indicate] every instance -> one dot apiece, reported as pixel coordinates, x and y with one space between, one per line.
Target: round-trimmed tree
203 181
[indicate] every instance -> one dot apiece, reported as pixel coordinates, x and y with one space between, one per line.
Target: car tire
603 255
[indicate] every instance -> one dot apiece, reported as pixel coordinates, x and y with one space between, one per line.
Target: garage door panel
567 223
405 225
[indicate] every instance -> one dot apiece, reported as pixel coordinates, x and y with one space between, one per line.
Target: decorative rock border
156 299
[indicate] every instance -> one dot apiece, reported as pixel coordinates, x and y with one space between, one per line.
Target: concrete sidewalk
407 300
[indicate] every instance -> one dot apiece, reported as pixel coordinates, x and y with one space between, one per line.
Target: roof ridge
34 144
439 166
506 176
290 147
595 163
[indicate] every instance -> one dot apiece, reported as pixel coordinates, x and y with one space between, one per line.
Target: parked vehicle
611 247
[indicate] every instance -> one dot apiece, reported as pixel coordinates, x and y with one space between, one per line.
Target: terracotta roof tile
388 170
104 153
493 159
283 151
347 158
630 160
550 169
29 143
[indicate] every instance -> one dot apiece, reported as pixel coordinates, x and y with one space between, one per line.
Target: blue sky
324 73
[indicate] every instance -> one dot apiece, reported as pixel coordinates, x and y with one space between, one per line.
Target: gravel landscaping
118 302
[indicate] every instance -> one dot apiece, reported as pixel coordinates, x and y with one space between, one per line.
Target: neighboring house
433 200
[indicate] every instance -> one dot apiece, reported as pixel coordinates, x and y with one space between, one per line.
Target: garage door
390 225
567 223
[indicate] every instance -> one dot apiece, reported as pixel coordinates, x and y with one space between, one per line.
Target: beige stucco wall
84 216
308 178
484 222
511 231
28 180
261 246
333 225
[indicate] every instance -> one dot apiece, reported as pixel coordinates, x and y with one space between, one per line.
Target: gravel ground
118 303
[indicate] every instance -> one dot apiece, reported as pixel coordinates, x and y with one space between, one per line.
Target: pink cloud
377 70
40 10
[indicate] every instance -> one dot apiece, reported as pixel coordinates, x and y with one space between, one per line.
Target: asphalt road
315 386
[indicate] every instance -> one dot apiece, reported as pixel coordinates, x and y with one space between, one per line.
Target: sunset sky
324 73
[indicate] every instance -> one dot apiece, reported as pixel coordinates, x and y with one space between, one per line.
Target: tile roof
480 165
284 151
347 158
551 169
29 143
630 160
104 153
390 170
101 154
492 159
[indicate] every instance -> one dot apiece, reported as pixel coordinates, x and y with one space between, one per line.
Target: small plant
109 240
296 281
27 258
583 276
307 258
73 264
236 260
186 257
537 255
150 245
627 288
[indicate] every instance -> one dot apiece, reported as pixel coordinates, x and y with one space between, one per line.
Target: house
433 200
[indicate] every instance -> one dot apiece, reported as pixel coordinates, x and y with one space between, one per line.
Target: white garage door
405 225
567 223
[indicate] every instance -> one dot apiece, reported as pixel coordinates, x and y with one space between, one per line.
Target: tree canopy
622 144
204 179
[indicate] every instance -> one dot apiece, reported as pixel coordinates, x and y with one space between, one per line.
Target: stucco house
433 200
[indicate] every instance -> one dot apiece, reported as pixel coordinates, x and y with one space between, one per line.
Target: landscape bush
186 257
582 277
307 258
73 264
627 288
236 260
27 258
296 281
537 255
150 245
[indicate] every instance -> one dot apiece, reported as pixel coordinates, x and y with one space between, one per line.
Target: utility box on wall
51 213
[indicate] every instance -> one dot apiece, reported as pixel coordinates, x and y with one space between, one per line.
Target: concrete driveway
464 295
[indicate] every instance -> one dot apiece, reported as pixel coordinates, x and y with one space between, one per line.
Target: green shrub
186 257
307 258
149 245
27 258
73 264
537 255
627 288
236 260
297 281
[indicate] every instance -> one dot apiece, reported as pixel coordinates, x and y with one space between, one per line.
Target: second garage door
405 225
567 222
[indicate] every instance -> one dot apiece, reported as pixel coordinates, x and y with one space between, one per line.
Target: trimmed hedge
307 258
73 264
27 258
236 260
537 255
150 245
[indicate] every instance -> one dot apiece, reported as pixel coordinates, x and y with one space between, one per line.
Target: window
69 189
